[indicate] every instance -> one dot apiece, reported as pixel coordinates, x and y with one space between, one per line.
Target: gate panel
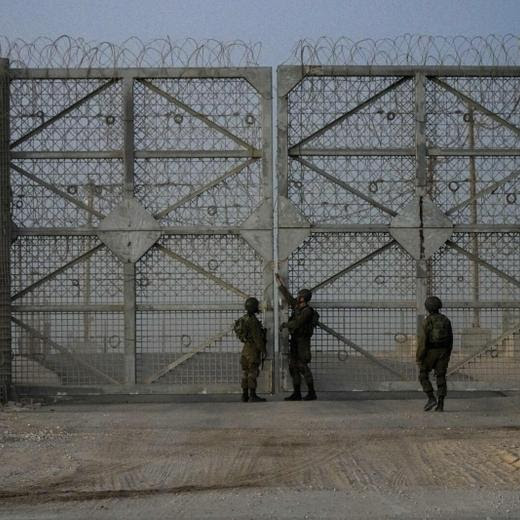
202 169
408 180
67 174
142 205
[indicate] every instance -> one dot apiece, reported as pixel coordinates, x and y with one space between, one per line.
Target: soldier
433 352
249 331
301 327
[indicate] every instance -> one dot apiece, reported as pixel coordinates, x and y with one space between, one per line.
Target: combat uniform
253 335
301 327
434 347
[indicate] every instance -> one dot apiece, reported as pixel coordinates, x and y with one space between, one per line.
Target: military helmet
433 304
306 294
252 305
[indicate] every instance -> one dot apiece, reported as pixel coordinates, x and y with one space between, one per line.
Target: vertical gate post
281 266
421 268
5 234
267 194
129 295
473 208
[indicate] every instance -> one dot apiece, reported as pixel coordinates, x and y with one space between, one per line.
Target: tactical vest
241 329
440 330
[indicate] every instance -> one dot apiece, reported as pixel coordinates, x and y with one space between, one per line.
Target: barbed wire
68 52
409 49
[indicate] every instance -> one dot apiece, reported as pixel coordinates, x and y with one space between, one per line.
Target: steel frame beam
327 304
403 152
198 115
300 71
62 114
5 235
139 154
193 266
57 191
362 351
199 191
346 186
475 105
64 350
483 263
484 192
494 342
81 258
346 115
185 357
354 265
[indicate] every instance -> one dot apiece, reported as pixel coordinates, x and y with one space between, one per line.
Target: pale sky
278 24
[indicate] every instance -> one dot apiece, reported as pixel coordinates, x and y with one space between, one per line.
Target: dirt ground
349 456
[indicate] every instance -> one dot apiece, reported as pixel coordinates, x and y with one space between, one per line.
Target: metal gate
142 210
142 216
397 183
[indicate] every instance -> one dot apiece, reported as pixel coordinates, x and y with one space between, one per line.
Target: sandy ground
344 456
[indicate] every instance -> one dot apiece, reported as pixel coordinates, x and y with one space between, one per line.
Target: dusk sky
278 24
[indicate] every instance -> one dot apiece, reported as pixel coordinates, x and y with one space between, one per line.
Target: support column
271 365
281 266
5 235
421 267
475 273
129 288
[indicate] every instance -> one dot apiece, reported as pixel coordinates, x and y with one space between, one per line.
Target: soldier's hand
278 279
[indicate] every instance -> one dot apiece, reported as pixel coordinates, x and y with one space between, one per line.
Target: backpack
315 318
440 329
314 322
241 329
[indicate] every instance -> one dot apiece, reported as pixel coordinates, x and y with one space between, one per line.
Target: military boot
430 403
440 404
295 396
245 395
311 394
255 398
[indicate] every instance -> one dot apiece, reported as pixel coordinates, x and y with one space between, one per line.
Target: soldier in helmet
251 333
301 326
434 346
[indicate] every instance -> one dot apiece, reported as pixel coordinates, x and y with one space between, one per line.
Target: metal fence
406 180
135 198
138 212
